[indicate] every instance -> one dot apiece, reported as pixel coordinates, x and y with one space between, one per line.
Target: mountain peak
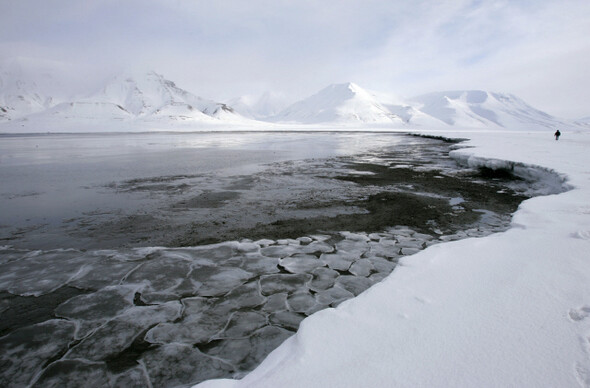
339 103
343 89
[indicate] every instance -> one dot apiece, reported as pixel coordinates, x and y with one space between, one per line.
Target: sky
538 50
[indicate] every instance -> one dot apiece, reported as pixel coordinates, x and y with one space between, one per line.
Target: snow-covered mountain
20 100
584 122
349 103
338 103
20 94
481 109
32 99
131 100
153 96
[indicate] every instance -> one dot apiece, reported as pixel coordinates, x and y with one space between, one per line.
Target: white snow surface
510 309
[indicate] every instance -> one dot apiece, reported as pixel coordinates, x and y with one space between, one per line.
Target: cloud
535 49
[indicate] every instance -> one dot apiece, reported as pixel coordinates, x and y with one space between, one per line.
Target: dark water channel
175 261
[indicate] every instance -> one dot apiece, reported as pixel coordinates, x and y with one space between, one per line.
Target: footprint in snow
579 314
582 234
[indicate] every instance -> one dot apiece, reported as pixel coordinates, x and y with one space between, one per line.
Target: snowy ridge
19 97
29 86
129 101
153 95
339 103
481 109
583 122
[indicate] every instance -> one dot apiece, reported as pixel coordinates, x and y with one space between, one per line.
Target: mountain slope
19 94
130 102
480 109
153 96
339 103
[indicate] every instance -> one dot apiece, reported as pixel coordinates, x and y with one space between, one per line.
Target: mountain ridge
478 108
152 99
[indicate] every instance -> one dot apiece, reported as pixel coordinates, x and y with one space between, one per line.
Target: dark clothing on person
557 134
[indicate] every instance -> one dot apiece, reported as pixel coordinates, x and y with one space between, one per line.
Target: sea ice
301 302
258 264
118 333
262 342
304 240
76 373
333 296
247 246
280 251
176 364
362 237
103 304
323 278
92 310
264 242
218 252
41 272
381 265
232 350
272 284
316 247
246 296
162 275
353 284
243 324
217 281
356 247
202 319
132 378
361 267
300 263
383 248
339 261
24 351
276 302
101 271
286 319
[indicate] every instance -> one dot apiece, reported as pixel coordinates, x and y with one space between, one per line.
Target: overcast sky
536 49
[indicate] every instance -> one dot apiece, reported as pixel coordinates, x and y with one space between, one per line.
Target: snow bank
540 180
510 309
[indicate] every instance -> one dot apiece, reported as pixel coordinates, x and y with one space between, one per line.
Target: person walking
557 134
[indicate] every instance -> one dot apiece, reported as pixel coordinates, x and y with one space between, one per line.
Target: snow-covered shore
510 309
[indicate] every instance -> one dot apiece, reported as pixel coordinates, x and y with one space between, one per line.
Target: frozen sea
168 259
